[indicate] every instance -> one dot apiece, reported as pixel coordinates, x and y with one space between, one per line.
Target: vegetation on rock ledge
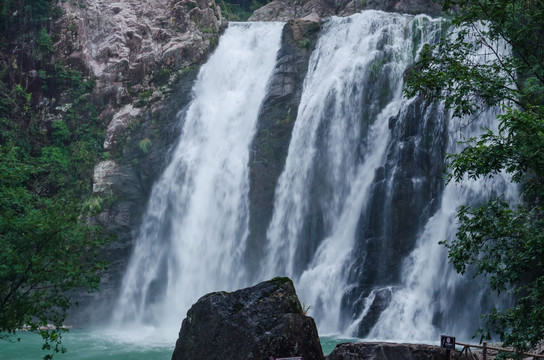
240 10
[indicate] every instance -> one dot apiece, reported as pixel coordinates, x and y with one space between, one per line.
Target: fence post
484 351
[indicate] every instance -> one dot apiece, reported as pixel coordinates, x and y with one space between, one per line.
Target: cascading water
358 209
340 138
368 165
433 299
192 235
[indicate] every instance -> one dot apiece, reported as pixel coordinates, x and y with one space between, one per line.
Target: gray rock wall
284 10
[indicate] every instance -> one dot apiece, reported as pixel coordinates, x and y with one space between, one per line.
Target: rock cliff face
143 56
261 322
125 42
283 10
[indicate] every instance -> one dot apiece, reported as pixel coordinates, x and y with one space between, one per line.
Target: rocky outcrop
274 127
261 322
143 57
387 351
127 42
283 10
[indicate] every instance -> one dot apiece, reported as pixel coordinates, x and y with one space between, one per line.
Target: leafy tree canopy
46 252
47 156
504 242
24 13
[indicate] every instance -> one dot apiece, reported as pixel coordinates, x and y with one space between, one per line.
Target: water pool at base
85 345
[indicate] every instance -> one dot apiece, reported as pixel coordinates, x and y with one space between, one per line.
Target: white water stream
192 235
431 289
349 55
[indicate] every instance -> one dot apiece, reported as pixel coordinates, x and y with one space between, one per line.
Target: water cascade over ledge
339 143
192 234
358 209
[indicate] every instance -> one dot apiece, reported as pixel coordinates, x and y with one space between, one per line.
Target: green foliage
46 250
46 166
44 42
143 97
60 132
517 147
240 10
233 12
507 245
144 145
503 242
304 43
24 14
162 76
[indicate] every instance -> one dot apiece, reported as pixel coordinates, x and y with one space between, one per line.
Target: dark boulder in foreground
387 351
257 323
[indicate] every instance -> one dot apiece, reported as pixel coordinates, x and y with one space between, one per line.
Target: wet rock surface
261 322
387 351
125 187
274 127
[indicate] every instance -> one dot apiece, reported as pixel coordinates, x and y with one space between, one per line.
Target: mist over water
363 173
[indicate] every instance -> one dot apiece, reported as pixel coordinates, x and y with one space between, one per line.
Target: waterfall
192 234
433 298
339 142
365 173
358 209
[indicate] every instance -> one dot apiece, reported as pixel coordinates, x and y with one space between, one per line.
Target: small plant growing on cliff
143 98
144 145
304 43
305 309
162 76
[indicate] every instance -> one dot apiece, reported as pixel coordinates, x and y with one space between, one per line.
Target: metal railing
468 354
